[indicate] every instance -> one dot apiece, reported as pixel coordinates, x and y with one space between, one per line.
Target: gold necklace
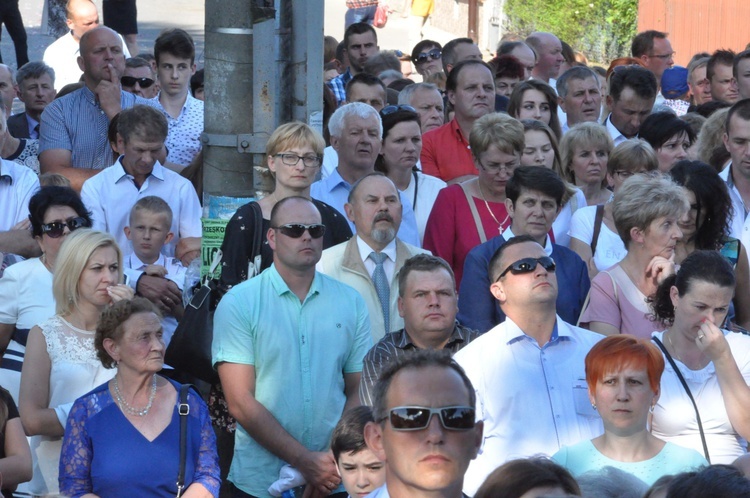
674 350
486 204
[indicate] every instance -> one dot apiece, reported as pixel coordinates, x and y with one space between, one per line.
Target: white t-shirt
610 249
427 192
561 225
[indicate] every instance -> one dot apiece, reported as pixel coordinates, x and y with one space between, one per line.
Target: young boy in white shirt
148 231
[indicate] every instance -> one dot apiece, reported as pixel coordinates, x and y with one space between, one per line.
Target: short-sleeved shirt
76 122
17 185
300 351
184 138
446 153
111 194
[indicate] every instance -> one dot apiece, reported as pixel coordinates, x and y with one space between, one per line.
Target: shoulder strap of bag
474 213
598 219
255 258
588 297
687 390
184 410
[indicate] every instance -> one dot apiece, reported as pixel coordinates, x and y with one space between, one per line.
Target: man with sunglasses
288 346
375 209
528 371
425 426
533 199
139 78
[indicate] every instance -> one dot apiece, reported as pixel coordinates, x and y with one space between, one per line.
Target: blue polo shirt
300 351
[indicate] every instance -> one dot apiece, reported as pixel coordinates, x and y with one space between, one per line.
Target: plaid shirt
338 86
356 4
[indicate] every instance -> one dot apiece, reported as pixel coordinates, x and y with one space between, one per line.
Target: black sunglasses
433 54
527 265
296 230
131 81
395 108
57 228
417 418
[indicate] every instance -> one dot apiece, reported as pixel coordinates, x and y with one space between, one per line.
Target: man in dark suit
36 89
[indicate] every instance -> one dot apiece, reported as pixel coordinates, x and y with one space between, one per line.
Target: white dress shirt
17 185
533 400
740 222
111 194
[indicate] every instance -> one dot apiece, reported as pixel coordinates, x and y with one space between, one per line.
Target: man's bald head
102 56
548 49
82 17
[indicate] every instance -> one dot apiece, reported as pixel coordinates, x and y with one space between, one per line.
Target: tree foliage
601 29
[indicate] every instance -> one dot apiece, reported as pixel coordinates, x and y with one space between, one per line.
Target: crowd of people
523 276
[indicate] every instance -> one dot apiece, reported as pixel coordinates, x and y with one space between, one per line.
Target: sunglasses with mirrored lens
433 54
296 230
416 418
527 265
131 81
57 228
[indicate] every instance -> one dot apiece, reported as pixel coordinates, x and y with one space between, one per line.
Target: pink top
451 231
624 307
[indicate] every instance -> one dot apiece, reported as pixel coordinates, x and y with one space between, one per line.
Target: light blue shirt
334 191
76 122
299 351
532 399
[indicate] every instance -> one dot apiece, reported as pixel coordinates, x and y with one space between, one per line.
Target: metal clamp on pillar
245 143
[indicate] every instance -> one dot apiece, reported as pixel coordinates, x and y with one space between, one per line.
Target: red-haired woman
623 375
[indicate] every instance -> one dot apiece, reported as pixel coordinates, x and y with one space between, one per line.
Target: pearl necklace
125 406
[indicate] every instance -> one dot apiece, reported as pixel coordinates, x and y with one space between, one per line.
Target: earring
593 405
651 409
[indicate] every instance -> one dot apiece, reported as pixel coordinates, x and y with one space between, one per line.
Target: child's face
361 472
148 232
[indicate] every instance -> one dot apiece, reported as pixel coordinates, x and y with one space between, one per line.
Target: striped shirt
76 122
396 345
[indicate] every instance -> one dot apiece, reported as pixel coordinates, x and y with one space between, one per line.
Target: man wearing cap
674 88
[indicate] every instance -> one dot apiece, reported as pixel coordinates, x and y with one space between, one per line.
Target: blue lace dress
104 454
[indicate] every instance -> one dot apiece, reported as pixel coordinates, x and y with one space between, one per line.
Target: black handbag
189 351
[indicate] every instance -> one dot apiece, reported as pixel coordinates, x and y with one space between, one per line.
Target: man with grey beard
371 259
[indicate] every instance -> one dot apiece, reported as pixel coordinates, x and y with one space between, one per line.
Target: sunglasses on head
395 108
131 81
57 228
433 54
296 230
527 265
416 418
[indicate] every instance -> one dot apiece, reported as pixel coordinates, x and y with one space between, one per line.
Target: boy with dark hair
175 65
360 470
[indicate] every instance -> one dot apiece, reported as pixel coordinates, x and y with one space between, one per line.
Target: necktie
381 286
36 131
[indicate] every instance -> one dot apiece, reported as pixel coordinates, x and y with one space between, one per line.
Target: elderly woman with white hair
647 210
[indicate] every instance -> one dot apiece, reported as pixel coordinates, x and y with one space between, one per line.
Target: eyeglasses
296 230
663 56
496 168
417 418
433 54
131 81
57 228
292 159
528 265
395 108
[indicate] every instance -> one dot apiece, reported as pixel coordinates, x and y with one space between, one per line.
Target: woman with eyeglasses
533 99
647 210
402 146
26 287
540 149
705 228
470 213
708 363
593 234
61 362
585 149
623 375
294 153
670 136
